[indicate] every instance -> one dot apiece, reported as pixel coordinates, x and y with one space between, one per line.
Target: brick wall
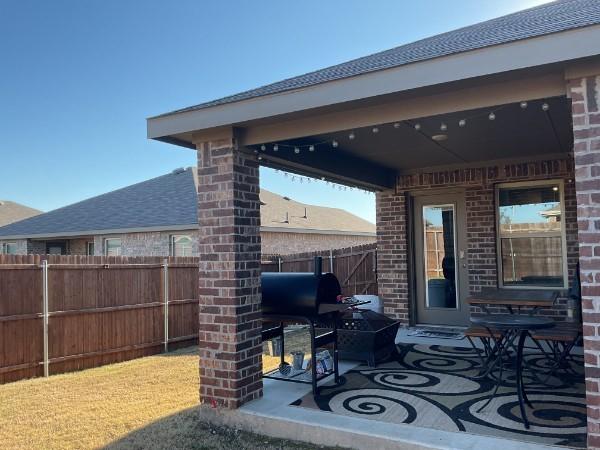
585 96
479 185
146 244
229 277
287 243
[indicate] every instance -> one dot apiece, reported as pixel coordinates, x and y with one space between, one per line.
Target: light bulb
351 135
263 147
275 147
397 125
443 126
545 106
375 130
417 126
523 105
462 122
296 150
334 144
311 148
492 116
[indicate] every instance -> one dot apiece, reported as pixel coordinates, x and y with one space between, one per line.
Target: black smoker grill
308 298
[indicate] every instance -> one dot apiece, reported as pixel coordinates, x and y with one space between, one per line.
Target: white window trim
87 248
172 243
112 239
562 233
5 247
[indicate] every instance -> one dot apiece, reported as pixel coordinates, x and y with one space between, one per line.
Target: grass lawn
145 403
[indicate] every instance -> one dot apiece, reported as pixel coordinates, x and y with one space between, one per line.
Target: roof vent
178 171
287 198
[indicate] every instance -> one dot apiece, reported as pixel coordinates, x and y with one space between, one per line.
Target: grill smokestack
318 266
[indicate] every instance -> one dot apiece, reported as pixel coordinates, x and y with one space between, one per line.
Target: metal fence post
166 301
279 263
45 314
331 260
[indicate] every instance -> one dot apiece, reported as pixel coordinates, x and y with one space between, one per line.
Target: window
89 246
10 248
181 245
112 247
531 235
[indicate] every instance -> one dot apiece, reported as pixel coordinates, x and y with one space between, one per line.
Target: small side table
511 326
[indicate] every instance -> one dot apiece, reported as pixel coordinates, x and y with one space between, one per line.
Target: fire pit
364 335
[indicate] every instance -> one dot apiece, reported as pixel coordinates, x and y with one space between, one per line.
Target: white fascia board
522 54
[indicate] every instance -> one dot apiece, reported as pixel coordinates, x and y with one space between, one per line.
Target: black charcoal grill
308 298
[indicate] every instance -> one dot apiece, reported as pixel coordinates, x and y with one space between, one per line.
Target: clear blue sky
78 78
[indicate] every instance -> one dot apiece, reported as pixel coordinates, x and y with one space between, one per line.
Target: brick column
229 277
585 96
392 265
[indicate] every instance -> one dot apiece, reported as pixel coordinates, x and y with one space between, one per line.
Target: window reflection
440 273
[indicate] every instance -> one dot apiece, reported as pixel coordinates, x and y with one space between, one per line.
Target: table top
513 321
514 297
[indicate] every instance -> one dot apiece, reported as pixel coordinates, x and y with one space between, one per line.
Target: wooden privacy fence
64 313
355 267
59 314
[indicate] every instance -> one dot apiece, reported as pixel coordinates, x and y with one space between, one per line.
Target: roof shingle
545 19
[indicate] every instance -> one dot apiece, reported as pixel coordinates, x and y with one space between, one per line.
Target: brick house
159 217
475 132
11 212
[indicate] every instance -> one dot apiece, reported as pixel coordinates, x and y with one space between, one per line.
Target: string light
545 106
375 130
462 122
275 147
334 144
296 150
263 147
417 126
523 105
443 127
351 136
311 148
492 116
397 125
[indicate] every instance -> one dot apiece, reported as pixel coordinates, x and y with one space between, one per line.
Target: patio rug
430 386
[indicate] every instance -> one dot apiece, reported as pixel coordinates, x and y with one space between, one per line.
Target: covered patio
484 156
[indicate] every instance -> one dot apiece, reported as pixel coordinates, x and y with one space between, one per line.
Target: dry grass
144 403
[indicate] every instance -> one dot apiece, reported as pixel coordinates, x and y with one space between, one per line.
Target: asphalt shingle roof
166 200
12 212
171 200
545 19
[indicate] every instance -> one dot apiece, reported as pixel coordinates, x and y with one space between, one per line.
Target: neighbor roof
283 212
542 20
12 212
169 202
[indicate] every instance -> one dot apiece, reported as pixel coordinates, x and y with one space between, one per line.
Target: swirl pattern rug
431 386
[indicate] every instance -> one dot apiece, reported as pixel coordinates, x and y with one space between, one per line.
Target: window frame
113 239
89 244
5 248
172 243
562 233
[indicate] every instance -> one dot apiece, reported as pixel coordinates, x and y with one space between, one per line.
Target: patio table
511 326
514 298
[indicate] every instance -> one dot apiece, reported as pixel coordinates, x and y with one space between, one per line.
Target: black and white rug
431 386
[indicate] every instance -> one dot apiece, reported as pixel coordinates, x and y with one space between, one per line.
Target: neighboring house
11 212
159 217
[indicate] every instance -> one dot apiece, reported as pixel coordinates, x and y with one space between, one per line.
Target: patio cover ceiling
468 83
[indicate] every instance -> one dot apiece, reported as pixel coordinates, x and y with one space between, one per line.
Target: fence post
331 260
166 300
45 314
279 263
